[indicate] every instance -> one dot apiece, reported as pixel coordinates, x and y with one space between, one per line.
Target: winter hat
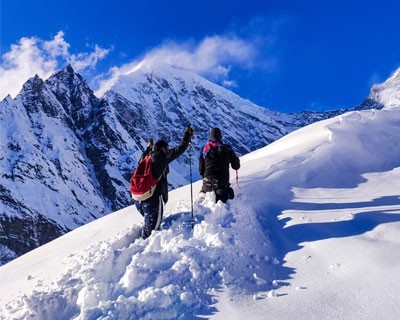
160 144
215 134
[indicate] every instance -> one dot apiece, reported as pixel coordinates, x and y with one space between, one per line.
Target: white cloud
212 57
88 60
375 79
57 47
230 83
32 56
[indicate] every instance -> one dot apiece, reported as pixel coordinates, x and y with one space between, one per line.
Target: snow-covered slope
313 233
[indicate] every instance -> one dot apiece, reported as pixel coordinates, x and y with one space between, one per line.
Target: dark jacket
160 162
214 162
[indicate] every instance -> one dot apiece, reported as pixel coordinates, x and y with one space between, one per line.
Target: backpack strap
211 145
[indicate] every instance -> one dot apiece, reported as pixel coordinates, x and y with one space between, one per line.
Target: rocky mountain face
66 155
48 182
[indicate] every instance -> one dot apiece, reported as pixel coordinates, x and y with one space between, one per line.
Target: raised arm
148 149
180 149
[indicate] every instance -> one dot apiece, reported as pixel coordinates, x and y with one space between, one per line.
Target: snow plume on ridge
33 55
212 57
387 93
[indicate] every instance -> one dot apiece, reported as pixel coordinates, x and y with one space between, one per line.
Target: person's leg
159 215
221 194
139 207
153 211
206 187
211 185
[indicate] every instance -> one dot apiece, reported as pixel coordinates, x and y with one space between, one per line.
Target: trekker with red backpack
214 162
152 207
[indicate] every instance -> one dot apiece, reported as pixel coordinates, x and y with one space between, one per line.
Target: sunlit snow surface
313 233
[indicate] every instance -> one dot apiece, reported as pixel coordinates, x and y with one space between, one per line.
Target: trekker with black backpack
150 202
214 162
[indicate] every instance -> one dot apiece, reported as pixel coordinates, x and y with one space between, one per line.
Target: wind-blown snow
313 233
387 93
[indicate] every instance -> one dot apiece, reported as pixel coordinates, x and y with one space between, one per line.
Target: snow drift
313 232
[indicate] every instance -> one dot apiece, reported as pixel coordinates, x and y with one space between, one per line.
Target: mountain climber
215 158
152 208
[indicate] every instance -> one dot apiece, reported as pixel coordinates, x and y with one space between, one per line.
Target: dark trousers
221 189
152 211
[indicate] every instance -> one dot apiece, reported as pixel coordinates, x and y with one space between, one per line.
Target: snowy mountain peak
163 75
75 95
47 184
388 92
33 84
69 69
67 81
145 67
67 74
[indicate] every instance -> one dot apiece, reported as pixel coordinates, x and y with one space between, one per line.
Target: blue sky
284 55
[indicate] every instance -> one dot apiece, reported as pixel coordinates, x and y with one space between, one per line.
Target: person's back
217 159
214 162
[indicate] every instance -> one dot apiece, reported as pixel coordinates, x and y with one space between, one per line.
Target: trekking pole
191 182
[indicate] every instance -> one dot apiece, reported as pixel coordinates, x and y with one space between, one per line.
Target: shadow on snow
291 238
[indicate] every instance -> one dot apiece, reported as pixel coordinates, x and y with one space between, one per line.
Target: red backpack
142 182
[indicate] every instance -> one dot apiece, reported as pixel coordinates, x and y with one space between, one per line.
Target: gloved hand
189 131
187 135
